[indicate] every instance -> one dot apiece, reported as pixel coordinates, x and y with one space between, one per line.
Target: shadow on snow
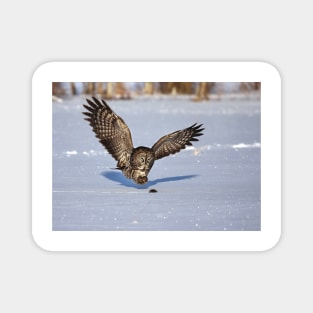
120 178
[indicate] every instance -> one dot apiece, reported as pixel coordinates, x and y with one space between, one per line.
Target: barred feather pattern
176 141
115 136
111 130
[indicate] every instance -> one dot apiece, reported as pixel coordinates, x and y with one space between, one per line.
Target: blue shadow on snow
117 176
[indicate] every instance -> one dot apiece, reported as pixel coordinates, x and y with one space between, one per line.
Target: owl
115 136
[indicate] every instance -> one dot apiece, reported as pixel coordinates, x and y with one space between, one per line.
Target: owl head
141 162
142 158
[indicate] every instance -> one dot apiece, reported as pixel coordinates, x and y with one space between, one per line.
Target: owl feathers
114 134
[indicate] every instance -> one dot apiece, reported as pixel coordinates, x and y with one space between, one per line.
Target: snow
214 185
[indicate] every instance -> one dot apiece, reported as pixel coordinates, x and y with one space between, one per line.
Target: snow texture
211 186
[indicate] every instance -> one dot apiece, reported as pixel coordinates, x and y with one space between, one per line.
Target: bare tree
109 91
184 87
149 88
73 88
57 89
176 87
99 88
249 86
121 90
90 88
257 86
203 91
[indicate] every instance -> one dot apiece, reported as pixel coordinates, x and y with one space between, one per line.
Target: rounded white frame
261 240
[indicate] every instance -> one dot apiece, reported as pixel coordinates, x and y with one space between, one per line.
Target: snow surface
214 185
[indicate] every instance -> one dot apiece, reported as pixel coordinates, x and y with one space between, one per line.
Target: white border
161 240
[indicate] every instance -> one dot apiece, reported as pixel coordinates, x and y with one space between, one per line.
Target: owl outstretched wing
110 129
174 142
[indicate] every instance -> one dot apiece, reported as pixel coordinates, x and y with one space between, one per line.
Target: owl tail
116 168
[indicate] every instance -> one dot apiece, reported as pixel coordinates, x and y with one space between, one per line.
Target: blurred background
196 91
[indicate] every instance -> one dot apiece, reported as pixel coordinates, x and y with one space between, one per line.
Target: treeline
201 90
110 90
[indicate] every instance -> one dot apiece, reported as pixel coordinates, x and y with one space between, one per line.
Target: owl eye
142 159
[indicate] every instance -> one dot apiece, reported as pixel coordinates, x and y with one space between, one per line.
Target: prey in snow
114 134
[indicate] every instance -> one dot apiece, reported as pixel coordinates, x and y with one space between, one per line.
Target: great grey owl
115 136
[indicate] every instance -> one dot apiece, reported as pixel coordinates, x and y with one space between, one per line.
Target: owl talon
142 180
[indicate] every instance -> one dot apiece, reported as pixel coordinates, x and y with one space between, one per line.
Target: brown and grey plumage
115 136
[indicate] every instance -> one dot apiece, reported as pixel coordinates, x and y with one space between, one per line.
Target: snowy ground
214 185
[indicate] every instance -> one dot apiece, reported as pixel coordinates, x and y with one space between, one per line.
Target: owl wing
111 130
174 142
